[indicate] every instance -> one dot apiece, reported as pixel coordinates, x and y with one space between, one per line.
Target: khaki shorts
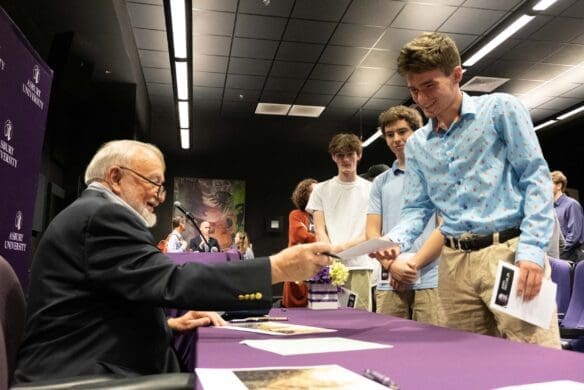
419 305
359 281
466 281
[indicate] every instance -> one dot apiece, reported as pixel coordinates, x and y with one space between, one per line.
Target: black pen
331 255
380 378
257 319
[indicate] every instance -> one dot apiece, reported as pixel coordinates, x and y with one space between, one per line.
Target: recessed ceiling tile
282 97
205 63
150 39
147 16
504 5
531 51
206 93
208 79
544 72
236 81
538 115
248 95
472 21
313 99
330 10
249 66
157 75
332 72
578 40
207 106
284 84
532 27
382 104
575 10
559 103
213 23
396 79
559 88
308 31
356 35
152 2
214 5
274 8
371 75
506 69
160 89
440 2
359 89
560 30
395 38
423 17
212 45
322 87
238 109
463 41
352 102
393 92
295 51
153 58
381 59
577 92
518 87
338 112
372 12
263 27
254 48
342 55
566 55
298 70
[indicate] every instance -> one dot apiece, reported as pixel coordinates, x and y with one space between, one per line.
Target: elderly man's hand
193 319
299 262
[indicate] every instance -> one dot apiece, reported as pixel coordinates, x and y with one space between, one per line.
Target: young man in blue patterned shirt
478 163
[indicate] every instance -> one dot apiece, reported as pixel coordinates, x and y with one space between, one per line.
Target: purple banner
25 87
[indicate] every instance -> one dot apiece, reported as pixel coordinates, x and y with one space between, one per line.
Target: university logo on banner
36 74
8 129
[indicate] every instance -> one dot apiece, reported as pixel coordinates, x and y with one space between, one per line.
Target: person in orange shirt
300 231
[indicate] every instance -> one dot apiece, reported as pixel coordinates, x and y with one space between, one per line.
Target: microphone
191 218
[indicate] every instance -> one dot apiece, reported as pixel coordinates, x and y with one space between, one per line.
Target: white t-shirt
344 205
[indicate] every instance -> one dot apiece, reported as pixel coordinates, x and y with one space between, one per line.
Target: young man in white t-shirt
339 207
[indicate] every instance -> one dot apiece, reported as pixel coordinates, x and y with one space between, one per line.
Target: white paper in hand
504 298
364 248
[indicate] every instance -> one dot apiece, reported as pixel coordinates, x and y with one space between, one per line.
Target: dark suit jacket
196 242
98 283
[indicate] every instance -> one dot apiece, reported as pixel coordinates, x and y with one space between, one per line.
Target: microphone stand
192 219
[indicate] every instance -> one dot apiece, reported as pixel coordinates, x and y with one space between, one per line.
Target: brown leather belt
474 242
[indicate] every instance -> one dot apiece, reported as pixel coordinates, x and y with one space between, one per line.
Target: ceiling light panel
272 109
307 111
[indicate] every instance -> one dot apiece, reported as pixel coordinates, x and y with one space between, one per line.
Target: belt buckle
464 241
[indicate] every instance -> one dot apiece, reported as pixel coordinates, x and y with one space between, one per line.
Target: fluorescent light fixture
308 111
272 109
182 80
370 140
500 38
570 113
544 124
542 5
183 114
185 139
179 27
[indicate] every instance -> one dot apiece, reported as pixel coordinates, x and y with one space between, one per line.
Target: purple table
423 357
184 343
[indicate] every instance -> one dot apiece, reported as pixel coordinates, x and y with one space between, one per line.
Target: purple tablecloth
184 343
423 357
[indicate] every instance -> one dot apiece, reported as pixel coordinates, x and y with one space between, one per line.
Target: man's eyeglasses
161 190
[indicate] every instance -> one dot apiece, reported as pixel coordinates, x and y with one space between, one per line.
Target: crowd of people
467 189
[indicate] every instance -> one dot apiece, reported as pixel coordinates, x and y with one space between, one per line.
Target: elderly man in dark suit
98 281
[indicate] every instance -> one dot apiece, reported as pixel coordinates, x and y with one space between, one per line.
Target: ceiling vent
483 84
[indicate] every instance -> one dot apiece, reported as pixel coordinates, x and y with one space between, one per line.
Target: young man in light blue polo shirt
418 301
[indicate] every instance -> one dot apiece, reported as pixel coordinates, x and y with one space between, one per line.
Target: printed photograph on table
332 377
277 328
221 202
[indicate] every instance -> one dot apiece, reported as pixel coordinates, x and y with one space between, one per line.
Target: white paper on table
321 376
312 345
364 248
553 385
504 298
